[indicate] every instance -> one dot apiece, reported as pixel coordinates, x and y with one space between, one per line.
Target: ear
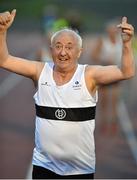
80 51
50 48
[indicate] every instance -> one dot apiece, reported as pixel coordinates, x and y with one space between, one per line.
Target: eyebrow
69 43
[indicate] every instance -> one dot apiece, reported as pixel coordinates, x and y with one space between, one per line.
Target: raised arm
110 74
14 64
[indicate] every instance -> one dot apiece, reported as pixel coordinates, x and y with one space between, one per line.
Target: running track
116 155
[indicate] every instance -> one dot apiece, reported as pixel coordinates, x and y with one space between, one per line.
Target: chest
71 91
72 94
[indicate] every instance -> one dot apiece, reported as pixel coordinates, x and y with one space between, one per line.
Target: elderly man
66 100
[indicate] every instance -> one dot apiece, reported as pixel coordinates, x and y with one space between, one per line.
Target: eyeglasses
59 47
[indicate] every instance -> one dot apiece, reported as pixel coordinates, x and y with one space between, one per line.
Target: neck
63 76
65 71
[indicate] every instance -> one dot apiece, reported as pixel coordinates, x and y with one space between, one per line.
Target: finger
126 26
3 20
124 20
7 16
128 32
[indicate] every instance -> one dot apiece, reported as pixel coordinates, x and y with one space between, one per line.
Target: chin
63 63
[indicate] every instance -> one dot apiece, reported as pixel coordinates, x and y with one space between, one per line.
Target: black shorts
42 173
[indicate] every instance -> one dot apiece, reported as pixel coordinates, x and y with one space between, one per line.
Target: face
112 30
65 51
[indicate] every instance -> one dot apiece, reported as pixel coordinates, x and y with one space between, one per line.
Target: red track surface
17 119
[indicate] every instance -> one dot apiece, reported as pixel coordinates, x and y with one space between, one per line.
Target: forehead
65 38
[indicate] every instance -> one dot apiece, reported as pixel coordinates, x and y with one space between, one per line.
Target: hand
6 19
127 30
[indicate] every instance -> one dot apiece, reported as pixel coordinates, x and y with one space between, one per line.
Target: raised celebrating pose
66 100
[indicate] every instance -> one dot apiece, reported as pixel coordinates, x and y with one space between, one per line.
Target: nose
63 52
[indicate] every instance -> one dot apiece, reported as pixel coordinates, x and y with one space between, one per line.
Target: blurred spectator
50 24
49 15
74 19
107 51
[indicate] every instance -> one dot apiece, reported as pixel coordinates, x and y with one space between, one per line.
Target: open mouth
63 59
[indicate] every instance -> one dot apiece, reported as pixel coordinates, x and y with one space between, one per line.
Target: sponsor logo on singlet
45 83
77 85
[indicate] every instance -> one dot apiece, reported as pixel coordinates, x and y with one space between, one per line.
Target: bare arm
110 74
14 64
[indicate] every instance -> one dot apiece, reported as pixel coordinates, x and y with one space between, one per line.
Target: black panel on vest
66 114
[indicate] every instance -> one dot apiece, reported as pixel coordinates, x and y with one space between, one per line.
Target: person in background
51 22
107 50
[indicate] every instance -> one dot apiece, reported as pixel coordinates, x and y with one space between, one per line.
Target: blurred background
116 119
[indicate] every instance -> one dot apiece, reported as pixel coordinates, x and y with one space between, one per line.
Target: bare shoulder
39 67
89 78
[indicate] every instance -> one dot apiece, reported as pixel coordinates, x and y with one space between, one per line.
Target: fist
127 30
6 20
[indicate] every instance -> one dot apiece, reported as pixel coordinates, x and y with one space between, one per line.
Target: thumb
13 13
12 16
124 20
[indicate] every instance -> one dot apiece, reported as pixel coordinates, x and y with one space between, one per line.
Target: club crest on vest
60 113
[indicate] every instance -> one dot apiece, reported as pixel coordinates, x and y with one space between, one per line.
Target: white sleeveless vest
64 134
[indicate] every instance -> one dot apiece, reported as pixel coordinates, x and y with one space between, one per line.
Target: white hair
67 30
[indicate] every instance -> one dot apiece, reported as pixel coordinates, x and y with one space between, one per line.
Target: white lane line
127 128
9 83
